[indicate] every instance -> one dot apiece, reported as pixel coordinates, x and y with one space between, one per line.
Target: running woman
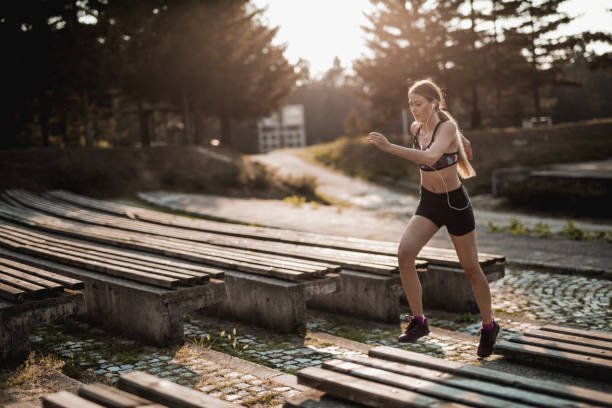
442 153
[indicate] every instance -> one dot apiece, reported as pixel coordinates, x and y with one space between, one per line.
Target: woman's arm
427 157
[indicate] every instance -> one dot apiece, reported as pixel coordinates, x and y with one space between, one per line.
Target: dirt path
340 188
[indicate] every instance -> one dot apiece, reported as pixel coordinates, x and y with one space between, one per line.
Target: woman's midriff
432 182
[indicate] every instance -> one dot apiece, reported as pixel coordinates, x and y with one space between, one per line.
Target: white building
285 128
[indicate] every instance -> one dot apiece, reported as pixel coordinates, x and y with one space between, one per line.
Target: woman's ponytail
463 166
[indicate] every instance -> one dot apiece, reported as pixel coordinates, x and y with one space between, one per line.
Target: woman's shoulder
448 127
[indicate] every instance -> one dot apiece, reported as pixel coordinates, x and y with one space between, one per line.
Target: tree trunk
64 127
536 99
476 117
145 140
475 110
226 130
188 132
87 119
43 111
200 128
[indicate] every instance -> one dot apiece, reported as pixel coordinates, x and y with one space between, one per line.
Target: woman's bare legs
418 232
465 245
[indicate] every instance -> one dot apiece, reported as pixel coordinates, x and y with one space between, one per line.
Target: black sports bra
447 159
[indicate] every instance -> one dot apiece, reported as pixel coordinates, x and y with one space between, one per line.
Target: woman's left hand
379 140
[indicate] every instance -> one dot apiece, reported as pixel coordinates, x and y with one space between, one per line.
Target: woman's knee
407 253
473 272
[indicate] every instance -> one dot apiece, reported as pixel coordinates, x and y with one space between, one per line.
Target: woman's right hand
379 140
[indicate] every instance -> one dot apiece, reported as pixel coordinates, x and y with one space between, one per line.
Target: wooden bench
30 296
141 295
392 377
582 351
135 390
444 284
270 290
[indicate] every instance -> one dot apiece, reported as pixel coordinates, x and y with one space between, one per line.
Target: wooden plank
363 391
91 265
216 239
133 240
11 293
54 287
166 392
109 221
443 256
581 341
133 256
420 386
65 399
462 383
112 397
496 377
30 289
283 235
589 334
562 346
555 358
66 282
61 250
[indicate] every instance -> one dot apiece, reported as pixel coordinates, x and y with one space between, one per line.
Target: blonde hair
432 92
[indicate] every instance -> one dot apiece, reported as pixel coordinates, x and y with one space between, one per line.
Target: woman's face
420 107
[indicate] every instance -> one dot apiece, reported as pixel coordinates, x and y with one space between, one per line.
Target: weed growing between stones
221 343
33 369
542 230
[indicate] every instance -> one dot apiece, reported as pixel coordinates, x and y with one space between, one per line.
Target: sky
319 30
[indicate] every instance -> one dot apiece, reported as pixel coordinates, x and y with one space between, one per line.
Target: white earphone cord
442 178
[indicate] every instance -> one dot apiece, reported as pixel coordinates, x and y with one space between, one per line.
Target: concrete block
16 320
144 312
446 288
268 302
363 295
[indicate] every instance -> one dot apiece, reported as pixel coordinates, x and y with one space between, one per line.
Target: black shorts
434 206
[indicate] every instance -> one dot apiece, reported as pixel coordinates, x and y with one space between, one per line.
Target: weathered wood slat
91 265
11 293
562 346
555 358
589 334
215 238
166 392
53 287
61 250
363 391
544 387
581 341
134 256
134 240
64 399
420 386
66 282
74 213
112 397
300 237
30 289
469 384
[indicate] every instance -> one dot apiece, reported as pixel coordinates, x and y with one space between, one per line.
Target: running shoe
487 340
414 331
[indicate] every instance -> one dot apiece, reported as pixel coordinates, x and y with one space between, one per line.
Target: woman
443 202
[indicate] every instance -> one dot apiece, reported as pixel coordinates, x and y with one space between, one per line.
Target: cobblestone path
535 298
561 299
